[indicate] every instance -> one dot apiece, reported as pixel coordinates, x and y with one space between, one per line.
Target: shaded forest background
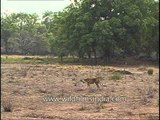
89 29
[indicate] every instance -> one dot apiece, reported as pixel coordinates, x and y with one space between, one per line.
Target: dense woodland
87 29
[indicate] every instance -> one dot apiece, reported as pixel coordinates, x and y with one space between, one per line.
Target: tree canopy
88 28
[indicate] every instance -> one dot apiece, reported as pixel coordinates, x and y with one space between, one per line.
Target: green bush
116 76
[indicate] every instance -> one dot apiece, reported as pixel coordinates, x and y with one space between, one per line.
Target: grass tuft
150 72
116 76
7 106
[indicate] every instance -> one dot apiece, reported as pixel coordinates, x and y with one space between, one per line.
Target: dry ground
26 85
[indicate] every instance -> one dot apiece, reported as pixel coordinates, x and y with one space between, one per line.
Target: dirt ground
25 89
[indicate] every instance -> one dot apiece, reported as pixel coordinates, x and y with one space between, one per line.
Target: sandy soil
28 87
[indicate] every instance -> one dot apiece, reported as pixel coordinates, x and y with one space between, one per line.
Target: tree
8 27
89 28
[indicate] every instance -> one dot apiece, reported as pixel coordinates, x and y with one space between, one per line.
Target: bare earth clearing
25 86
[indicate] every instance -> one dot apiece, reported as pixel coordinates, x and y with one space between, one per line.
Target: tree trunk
80 55
157 56
89 55
61 58
6 47
95 55
107 56
73 57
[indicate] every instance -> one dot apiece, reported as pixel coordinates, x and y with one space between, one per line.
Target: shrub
82 108
7 106
99 105
150 71
116 76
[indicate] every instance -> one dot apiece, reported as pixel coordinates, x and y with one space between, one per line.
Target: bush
7 106
82 108
150 71
116 76
99 106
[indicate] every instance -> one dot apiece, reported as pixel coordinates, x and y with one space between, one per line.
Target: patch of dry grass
42 80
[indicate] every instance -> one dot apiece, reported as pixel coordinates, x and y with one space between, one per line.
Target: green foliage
36 59
116 76
21 33
87 28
